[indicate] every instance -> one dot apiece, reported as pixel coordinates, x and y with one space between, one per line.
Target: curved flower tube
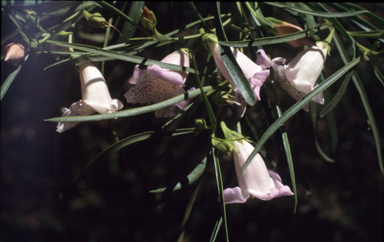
95 96
257 181
256 73
155 84
298 78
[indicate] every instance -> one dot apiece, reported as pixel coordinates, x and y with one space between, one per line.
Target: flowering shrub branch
221 108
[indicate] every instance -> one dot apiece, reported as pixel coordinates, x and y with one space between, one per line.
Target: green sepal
227 145
201 124
274 21
222 98
223 145
63 34
148 23
327 41
95 20
230 134
208 38
159 37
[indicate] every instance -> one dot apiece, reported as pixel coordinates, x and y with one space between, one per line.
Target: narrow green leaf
7 83
216 230
219 182
314 112
319 14
367 34
61 10
198 15
275 39
191 178
258 15
310 19
133 111
12 15
341 28
211 114
340 93
360 88
378 74
188 211
116 11
231 64
86 5
128 29
322 153
237 75
128 141
339 6
295 108
371 15
288 154
122 56
331 122
363 95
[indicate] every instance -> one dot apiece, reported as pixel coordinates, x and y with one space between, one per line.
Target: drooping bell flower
155 84
298 78
257 181
95 96
256 73
283 28
15 53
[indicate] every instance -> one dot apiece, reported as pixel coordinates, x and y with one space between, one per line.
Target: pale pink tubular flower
299 77
257 181
155 84
95 96
256 73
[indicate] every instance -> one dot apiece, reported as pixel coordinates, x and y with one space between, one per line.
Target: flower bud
95 20
15 53
148 19
283 28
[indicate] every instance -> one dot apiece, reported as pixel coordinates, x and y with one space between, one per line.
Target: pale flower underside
149 89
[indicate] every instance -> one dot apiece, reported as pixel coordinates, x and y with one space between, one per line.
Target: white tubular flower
298 78
95 94
257 181
94 89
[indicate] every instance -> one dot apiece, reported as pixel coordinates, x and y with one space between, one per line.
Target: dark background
39 201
